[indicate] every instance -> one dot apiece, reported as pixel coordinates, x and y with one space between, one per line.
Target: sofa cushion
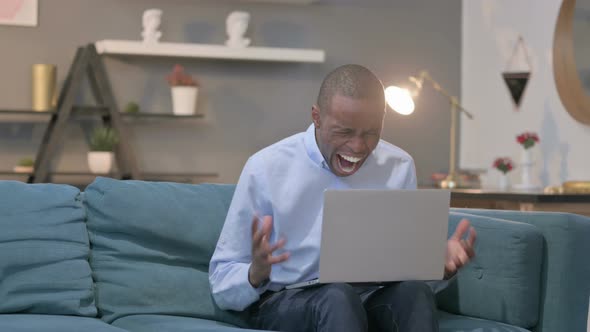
44 251
53 323
566 273
164 323
454 323
502 283
151 246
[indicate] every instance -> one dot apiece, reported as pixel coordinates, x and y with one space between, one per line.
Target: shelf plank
7 172
160 116
290 2
83 173
209 51
190 174
25 116
26 111
30 116
78 109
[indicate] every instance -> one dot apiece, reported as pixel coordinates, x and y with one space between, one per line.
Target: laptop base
305 284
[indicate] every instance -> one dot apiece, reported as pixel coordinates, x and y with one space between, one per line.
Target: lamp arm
452 179
424 75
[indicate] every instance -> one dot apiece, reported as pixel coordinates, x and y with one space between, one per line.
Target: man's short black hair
353 81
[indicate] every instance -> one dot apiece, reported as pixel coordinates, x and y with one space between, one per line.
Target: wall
490 30
248 105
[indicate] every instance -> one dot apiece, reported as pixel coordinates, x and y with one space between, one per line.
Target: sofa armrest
502 282
565 277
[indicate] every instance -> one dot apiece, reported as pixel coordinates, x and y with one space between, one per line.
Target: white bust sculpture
236 25
151 22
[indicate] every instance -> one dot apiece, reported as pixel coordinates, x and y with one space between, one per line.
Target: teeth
347 169
350 158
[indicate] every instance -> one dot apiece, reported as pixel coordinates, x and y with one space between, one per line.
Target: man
271 237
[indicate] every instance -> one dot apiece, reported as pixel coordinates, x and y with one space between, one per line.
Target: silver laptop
376 236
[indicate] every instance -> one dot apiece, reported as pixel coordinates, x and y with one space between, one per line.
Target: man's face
348 132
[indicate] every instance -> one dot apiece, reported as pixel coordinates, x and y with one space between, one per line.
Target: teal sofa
133 256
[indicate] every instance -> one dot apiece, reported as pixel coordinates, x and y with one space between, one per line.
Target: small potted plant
102 144
25 165
527 140
131 108
504 165
185 91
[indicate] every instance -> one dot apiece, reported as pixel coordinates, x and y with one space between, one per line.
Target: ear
315 115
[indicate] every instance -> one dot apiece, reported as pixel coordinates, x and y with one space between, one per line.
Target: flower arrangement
503 164
527 139
179 78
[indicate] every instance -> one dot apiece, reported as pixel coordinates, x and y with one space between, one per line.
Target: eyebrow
337 126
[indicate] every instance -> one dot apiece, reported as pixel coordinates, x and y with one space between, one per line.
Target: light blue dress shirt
287 181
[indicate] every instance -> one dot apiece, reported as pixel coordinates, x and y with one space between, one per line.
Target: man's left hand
459 250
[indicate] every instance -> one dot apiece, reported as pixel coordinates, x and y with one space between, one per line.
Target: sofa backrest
565 274
44 251
151 246
502 282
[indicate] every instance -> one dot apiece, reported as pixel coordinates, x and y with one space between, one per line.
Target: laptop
380 236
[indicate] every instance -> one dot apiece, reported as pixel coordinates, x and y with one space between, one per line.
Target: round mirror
581 40
571 58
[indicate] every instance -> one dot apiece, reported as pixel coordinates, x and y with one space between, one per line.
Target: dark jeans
399 307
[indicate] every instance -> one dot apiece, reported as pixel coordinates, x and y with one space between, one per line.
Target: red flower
179 78
527 139
503 164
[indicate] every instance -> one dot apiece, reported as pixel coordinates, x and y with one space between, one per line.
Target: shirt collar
311 147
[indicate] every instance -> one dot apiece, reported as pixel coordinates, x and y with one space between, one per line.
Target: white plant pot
23 169
100 162
503 182
527 156
184 99
526 167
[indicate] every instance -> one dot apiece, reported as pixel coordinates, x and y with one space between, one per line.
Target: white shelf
292 2
129 47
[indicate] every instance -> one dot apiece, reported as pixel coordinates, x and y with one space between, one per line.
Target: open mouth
348 164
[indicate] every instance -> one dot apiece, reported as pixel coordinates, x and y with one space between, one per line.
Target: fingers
470 242
468 249
450 268
259 233
261 247
472 237
278 245
462 228
267 225
279 258
461 259
255 237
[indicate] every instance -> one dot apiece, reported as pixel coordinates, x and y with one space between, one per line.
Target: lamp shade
400 100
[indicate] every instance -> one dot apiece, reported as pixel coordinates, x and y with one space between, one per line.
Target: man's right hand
262 258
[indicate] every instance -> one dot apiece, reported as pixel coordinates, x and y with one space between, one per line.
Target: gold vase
44 87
